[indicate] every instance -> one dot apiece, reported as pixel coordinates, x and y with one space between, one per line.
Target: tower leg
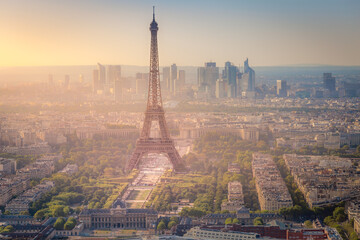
147 126
163 128
134 160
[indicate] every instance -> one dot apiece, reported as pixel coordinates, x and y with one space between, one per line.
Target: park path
151 169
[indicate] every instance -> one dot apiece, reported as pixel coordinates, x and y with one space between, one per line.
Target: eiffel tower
155 112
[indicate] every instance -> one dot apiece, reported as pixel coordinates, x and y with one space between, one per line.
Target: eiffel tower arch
155 112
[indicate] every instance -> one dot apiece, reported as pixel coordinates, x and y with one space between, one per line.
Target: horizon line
130 65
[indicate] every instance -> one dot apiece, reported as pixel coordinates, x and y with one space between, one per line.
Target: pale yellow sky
83 32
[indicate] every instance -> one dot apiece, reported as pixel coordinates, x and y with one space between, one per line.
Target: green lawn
138 195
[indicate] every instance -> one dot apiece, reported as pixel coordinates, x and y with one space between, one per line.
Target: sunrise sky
83 32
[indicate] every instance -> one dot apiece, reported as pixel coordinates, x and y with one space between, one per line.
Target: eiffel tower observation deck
155 112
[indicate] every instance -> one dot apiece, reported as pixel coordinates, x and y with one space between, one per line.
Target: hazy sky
268 32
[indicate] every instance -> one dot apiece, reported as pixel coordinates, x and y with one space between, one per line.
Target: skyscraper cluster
231 83
173 79
107 80
109 83
328 88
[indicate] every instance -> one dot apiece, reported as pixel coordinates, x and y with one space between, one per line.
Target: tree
84 180
258 221
78 210
7 212
171 224
34 182
40 214
70 223
196 212
191 212
57 211
228 221
308 224
328 220
184 212
353 236
235 221
59 224
339 214
24 213
318 211
97 205
345 147
7 229
69 197
175 219
161 226
341 218
66 210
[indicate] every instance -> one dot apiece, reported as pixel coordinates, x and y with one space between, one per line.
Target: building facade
207 233
270 186
235 197
121 218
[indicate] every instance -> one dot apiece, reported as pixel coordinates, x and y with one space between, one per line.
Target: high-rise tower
229 76
329 82
102 76
281 88
155 112
207 77
248 81
173 77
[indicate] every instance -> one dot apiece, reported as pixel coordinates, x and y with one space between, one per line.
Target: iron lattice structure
155 112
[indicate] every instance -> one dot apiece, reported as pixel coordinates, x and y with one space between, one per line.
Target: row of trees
167 223
62 224
257 221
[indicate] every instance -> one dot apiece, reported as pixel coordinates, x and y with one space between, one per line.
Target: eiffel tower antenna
155 112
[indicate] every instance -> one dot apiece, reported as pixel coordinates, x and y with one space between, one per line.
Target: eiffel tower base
155 145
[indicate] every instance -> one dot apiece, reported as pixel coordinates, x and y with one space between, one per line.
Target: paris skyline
268 33
117 151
